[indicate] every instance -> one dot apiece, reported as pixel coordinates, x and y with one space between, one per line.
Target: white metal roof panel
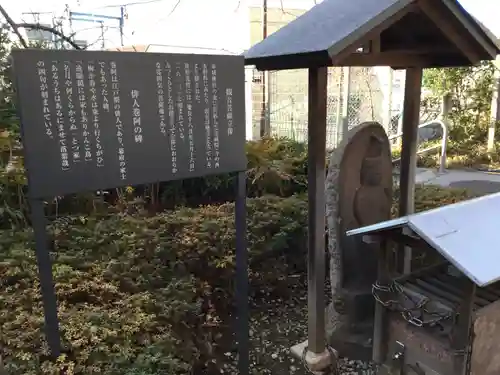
464 233
379 227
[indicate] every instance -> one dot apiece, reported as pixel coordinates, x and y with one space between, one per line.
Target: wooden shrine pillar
411 119
316 194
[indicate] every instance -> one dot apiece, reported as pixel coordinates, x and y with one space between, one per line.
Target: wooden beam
385 59
375 45
380 324
396 59
488 46
461 330
371 35
443 23
419 50
411 117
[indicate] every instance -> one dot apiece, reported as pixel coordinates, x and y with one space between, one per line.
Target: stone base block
359 305
317 363
354 344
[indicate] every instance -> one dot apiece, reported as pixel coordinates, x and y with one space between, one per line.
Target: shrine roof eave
330 33
394 60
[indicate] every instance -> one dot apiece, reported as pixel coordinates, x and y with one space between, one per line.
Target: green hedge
138 294
147 294
275 166
142 294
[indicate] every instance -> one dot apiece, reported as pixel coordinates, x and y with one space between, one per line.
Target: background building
355 95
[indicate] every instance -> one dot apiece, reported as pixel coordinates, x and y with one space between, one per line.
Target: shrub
150 295
275 166
138 294
428 197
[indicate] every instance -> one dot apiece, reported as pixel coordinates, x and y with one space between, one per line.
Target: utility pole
264 123
122 17
100 18
37 20
67 13
36 15
103 43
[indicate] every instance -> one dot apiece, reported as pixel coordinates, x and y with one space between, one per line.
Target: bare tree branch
237 6
174 8
286 12
14 26
37 26
33 26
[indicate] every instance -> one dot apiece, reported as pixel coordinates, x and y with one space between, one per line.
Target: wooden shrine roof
397 33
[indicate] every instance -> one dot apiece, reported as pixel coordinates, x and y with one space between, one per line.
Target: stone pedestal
318 363
360 305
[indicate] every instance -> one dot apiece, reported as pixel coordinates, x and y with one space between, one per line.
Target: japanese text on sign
61 131
68 83
84 119
171 117
103 119
180 101
229 114
215 116
94 105
115 93
136 116
206 117
44 94
104 86
161 98
189 113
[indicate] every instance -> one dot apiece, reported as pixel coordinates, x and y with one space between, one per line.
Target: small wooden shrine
403 34
442 319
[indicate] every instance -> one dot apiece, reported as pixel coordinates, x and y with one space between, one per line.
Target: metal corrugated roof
465 233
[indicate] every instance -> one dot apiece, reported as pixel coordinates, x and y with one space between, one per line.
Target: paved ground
476 181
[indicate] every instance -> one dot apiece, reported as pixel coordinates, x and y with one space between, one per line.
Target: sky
219 24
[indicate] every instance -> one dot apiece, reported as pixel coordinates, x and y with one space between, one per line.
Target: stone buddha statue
371 199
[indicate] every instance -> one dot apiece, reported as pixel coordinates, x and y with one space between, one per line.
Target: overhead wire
237 6
284 11
35 26
144 2
174 8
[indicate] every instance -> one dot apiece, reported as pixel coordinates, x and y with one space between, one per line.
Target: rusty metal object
421 346
435 350
485 356
445 316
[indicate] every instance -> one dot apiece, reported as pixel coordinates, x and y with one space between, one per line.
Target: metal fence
355 95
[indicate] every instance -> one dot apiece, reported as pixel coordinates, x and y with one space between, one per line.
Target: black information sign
97 120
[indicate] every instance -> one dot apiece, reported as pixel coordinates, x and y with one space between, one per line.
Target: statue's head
371 174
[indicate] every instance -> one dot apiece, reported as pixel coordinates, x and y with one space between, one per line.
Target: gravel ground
279 321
